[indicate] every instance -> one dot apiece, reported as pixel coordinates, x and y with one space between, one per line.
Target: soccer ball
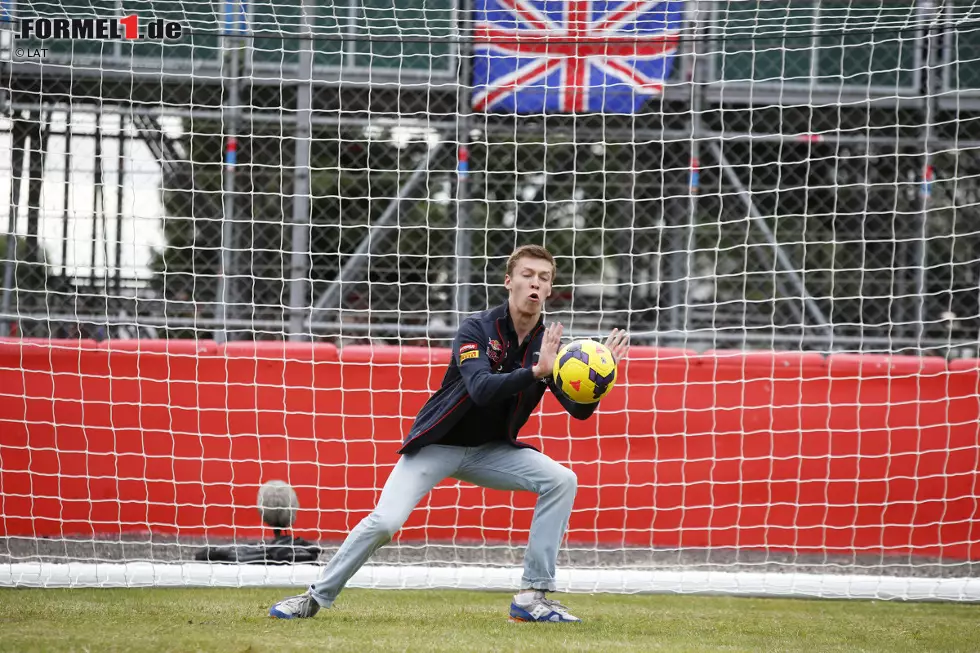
585 371
278 503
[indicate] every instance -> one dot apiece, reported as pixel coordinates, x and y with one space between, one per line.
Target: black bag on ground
282 549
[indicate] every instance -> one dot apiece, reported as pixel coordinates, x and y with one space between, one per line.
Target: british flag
572 56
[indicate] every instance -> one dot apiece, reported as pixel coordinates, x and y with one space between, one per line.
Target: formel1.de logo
99 29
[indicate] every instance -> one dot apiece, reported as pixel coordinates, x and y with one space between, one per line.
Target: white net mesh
240 255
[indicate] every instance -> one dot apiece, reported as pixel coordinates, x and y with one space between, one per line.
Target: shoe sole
518 620
275 614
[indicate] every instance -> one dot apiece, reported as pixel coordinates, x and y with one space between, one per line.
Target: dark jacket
484 349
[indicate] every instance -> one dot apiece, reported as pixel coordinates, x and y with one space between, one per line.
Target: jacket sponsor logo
468 355
468 347
495 352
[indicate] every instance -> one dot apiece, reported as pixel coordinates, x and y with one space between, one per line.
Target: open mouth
534 297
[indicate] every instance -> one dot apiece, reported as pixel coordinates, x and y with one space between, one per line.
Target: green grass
363 620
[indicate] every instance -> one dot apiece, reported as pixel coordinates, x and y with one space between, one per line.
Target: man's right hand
549 351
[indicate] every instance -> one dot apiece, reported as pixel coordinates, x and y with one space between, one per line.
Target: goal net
240 254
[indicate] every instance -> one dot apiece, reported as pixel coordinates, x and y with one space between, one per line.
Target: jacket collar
505 323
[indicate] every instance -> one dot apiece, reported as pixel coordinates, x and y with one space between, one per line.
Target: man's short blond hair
531 251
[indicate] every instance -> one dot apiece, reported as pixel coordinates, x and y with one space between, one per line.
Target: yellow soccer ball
585 371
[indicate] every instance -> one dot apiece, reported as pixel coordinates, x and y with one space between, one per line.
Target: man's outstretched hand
549 351
618 344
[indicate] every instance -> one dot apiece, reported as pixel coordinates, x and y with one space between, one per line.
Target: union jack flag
567 56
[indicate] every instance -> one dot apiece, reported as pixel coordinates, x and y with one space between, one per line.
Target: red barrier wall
786 451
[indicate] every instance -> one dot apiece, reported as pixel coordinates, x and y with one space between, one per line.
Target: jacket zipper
520 395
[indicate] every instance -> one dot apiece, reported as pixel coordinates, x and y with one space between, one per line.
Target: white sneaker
295 607
540 609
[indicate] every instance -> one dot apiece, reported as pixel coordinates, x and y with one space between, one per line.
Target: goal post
241 256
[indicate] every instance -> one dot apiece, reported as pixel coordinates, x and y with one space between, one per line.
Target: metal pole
120 181
783 260
266 117
461 296
67 183
623 210
230 115
96 194
18 140
764 339
300 258
681 283
40 129
376 234
927 172
610 134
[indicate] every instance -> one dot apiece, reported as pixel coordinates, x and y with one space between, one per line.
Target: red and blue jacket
489 369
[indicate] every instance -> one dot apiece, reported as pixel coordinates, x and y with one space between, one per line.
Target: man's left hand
618 344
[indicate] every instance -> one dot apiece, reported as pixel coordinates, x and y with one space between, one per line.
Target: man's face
530 285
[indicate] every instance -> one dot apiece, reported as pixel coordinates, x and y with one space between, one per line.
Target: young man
502 363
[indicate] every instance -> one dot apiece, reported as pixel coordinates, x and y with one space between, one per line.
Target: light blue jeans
497 465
